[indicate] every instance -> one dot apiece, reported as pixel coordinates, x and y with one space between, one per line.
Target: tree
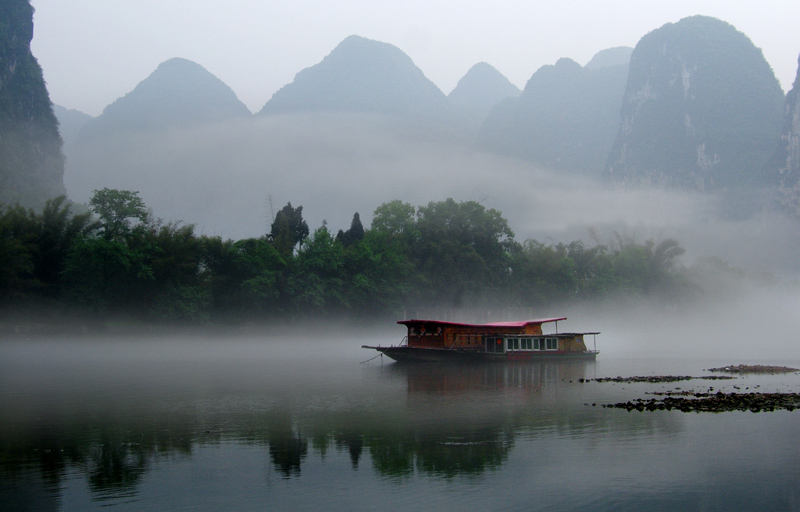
288 229
17 248
105 276
353 235
543 273
394 218
462 247
34 246
58 230
317 280
115 209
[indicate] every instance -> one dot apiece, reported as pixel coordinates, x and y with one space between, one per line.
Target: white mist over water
229 178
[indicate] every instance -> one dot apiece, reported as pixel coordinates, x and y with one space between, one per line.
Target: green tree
316 281
106 276
245 277
648 268
17 247
543 273
353 235
58 230
288 230
178 290
379 276
116 208
395 219
462 248
34 246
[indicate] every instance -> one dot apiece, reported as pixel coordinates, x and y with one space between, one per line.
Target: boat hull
404 354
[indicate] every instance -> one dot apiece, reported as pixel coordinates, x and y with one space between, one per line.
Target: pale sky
95 51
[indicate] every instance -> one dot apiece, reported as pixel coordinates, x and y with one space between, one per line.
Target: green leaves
288 230
115 209
445 254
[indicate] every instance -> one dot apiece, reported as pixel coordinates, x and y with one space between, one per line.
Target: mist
229 178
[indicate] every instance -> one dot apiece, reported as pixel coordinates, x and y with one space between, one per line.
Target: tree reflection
287 450
115 468
438 421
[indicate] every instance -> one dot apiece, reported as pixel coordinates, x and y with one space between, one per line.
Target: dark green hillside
565 118
702 109
31 163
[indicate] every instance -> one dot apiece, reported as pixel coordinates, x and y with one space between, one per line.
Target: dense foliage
116 260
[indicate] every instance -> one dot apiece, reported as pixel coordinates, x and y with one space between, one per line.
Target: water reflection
115 421
442 421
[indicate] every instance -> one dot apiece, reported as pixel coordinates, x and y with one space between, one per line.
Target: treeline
115 259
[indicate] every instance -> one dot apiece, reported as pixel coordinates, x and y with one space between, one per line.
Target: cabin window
494 344
537 344
514 343
552 343
526 344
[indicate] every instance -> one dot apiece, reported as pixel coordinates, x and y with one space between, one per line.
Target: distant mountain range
565 117
693 106
31 161
479 91
368 77
178 93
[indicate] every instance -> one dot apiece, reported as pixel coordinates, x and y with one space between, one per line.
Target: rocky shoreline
657 378
716 402
691 401
753 368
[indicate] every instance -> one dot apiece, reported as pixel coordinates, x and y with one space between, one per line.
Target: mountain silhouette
31 159
702 109
565 118
479 91
369 77
784 166
610 57
70 122
178 93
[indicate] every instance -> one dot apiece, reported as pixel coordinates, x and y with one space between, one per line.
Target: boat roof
522 323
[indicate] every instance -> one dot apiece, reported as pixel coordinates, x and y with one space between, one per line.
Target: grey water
294 421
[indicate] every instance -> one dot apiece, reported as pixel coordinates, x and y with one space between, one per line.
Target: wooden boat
434 340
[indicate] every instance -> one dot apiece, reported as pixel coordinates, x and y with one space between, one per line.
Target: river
304 422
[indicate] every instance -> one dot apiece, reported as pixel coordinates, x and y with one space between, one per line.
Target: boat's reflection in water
540 376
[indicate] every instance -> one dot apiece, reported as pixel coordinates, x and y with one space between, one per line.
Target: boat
438 341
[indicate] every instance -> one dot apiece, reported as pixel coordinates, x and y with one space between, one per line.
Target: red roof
522 323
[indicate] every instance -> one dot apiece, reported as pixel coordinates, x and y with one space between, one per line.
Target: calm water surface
295 423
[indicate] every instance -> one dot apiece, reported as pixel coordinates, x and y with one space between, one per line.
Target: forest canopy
444 256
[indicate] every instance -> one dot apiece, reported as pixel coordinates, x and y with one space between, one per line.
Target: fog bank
229 178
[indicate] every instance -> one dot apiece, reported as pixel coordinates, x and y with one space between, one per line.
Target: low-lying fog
221 178
755 326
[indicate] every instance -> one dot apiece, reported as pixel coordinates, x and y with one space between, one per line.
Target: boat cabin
508 338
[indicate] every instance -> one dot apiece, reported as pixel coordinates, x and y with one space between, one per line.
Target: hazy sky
94 51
